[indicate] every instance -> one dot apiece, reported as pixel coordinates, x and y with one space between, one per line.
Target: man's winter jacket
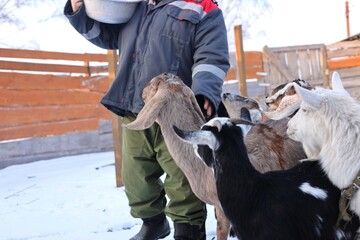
184 37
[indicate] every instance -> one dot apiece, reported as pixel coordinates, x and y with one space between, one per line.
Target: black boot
185 231
153 228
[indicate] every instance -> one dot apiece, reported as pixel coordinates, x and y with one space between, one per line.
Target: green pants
145 159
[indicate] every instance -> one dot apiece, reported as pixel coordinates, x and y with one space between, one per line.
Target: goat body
299 203
269 147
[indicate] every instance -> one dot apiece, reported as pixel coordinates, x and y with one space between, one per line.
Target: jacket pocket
180 24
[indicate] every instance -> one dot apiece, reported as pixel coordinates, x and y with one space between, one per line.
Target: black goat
299 203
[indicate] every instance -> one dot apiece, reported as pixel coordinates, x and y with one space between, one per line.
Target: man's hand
208 107
76 4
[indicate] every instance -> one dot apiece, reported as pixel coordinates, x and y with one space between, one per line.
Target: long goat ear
197 137
288 105
309 97
148 113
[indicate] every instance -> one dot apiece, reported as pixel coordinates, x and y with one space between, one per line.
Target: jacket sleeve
211 58
101 34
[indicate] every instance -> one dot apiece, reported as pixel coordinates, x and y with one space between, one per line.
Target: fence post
115 120
240 60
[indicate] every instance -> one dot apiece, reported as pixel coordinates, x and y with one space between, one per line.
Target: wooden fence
314 63
284 64
49 101
344 57
53 96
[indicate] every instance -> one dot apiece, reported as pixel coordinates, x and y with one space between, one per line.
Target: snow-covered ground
68 198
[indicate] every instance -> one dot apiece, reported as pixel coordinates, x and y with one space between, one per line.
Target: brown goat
266 139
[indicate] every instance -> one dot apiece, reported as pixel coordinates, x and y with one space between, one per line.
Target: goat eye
304 110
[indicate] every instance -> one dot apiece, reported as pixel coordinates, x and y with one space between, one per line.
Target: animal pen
50 101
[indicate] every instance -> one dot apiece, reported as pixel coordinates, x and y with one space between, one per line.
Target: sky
69 198
295 22
287 23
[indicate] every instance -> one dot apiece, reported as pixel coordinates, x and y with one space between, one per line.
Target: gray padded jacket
183 37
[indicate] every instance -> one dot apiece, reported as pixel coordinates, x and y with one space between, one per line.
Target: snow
69 198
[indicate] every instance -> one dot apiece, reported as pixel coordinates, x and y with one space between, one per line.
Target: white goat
328 125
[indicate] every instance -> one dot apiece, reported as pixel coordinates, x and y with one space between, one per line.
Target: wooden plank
23 81
324 67
240 60
41 98
275 61
348 72
344 63
26 115
304 66
343 45
314 65
101 84
253 58
231 74
58 68
297 48
253 64
115 121
45 129
292 63
104 113
343 49
35 54
252 72
267 77
348 52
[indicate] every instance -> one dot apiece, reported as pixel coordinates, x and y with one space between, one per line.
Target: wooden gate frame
286 75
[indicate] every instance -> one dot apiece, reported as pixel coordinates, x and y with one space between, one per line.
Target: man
183 37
